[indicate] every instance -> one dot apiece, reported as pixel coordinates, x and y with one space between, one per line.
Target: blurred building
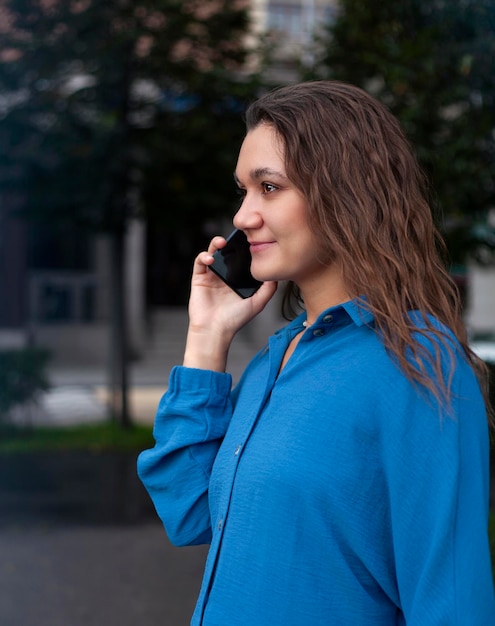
291 28
55 289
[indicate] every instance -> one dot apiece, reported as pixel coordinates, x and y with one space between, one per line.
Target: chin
266 277
265 274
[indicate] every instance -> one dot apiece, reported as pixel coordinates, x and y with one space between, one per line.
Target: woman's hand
216 313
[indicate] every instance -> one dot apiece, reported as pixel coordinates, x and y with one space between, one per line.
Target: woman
344 480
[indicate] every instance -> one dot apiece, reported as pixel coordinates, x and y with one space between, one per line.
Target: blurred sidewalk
79 393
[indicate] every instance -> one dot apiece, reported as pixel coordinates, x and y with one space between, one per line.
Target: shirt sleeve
191 420
437 471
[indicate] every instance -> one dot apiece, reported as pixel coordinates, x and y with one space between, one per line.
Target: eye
240 192
268 187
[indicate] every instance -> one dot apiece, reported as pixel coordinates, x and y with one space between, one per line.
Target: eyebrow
261 172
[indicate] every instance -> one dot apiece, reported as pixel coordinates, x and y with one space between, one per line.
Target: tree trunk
119 365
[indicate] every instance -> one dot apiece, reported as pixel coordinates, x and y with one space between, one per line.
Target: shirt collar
359 311
356 309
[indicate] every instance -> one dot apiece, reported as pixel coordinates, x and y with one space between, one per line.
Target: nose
248 216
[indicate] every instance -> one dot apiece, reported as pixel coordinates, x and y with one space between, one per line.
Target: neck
318 298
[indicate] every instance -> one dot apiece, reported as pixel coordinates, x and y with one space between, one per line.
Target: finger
216 244
201 262
265 292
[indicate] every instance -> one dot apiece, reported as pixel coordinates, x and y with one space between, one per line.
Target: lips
259 246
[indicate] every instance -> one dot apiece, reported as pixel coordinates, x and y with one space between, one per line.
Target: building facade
291 29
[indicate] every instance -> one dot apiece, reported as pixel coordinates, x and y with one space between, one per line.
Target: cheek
312 247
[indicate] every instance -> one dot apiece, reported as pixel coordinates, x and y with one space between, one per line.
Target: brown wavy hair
368 210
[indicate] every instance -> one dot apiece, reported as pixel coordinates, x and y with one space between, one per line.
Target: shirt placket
278 344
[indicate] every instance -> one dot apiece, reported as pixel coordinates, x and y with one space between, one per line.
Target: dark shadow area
67 488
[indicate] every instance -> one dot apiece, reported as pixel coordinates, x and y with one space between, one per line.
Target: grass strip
105 436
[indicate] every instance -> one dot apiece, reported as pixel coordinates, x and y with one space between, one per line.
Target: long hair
367 208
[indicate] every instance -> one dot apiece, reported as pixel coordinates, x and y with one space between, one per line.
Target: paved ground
96 576
80 545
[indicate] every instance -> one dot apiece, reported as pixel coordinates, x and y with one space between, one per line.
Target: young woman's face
273 213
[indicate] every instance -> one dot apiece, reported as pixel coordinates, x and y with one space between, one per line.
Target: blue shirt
335 493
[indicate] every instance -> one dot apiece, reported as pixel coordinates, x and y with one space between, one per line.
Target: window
285 17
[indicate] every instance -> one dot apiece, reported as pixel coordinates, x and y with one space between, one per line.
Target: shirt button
237 450
220 524
328 318
318 332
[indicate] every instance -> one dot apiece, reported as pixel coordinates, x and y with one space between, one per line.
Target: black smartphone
232 264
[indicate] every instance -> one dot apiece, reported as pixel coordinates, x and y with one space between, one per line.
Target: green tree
432 64
106 108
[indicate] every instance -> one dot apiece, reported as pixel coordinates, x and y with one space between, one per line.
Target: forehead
262 142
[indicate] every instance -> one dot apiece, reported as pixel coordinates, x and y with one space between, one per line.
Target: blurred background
120 124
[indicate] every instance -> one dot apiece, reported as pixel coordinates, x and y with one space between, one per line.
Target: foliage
101 437
22 377
108 106
431 63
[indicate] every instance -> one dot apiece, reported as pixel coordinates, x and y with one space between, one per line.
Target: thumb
264 294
